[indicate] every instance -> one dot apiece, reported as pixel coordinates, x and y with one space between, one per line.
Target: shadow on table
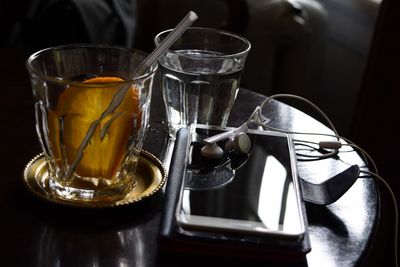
67 236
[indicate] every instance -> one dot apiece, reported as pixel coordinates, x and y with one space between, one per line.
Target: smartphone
256 194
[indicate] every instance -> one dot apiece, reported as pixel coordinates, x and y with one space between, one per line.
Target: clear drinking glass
200 76
91 147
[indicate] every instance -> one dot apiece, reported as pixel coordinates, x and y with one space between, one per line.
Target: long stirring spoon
119 95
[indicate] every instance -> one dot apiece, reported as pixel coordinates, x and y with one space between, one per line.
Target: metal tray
150 175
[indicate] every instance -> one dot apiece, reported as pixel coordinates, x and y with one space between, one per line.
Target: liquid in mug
198 94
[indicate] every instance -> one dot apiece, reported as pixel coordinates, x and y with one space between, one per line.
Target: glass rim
55 79
218 31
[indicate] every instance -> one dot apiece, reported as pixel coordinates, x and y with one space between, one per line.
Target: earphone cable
365 156
336 135
331 153
326 118
363 152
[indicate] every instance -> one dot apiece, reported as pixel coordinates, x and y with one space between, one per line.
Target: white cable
335 151
366 154
330 124
363 152
331 153
350 143
374 174
336 135
334 145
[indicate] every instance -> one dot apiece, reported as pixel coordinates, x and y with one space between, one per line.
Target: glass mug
200 76
91 146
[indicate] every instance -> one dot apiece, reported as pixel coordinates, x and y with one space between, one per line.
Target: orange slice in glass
77 108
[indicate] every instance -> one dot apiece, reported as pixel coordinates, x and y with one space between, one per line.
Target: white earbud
240 143
212 151
238 140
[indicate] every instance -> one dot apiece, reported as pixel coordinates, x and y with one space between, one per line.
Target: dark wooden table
36 233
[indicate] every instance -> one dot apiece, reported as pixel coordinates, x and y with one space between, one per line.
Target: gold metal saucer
150 175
